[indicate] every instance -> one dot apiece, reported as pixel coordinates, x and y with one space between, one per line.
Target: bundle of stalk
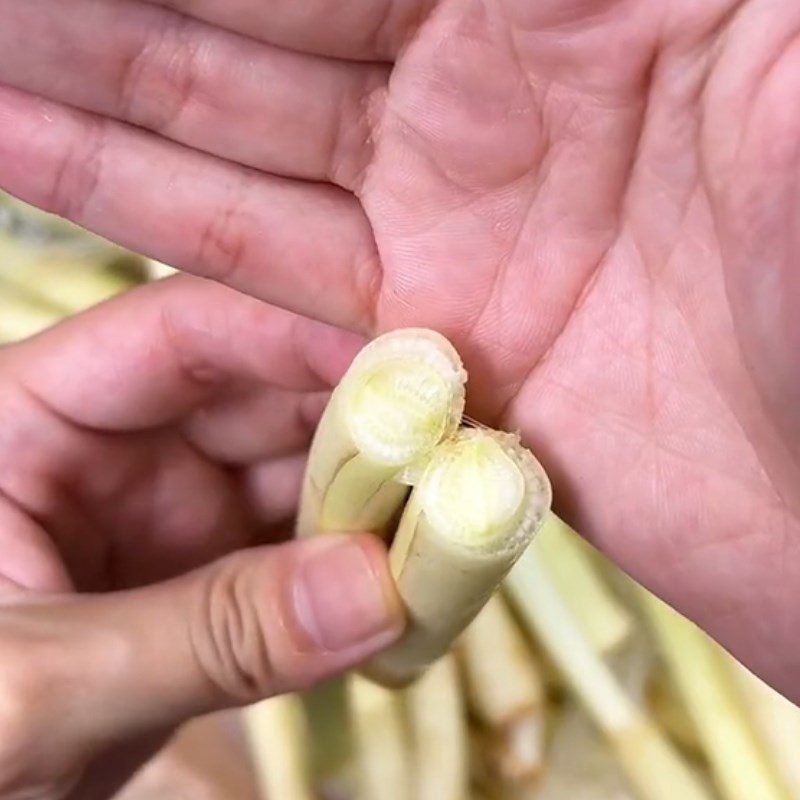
477 499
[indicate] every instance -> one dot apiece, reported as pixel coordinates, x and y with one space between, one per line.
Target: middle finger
275 110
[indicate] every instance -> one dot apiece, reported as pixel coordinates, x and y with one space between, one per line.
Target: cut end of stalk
398 409
474 492
519 752
403 395
482 490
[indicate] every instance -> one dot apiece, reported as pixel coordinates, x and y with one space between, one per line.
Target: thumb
100 670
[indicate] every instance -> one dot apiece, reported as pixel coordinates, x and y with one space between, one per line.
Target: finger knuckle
227 635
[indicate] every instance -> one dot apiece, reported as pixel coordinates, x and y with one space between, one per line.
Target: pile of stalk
531 669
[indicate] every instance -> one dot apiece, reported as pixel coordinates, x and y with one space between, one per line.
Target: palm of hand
583 197
587 226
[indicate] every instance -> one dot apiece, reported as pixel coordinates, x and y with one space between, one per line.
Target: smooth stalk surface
776 720
505 691
474 511
439 734
606 622
653 766
403 394
277 730
738 761
22 316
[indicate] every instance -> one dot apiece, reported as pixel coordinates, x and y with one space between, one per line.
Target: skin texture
597 200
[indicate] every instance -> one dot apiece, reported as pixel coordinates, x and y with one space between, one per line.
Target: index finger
152 355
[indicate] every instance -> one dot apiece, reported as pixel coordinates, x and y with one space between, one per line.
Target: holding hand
144 446
595 200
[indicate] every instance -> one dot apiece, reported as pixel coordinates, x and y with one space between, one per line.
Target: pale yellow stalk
277 731
668 708
473 512
22 316
738 760
157 271
403 394
439 734
60 274
505 692
653 766
606 622
382 741
777 722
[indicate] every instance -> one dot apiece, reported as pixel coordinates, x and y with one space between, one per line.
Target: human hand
594 199
147 449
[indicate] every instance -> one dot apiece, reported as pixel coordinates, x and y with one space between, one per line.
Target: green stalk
60 275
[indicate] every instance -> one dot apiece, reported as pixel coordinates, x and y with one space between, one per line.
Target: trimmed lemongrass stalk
403 394
776 720
653 766
505 691
69 280
474 510
439 733
22 316
604 619
277 730
669 710
697 665
382 741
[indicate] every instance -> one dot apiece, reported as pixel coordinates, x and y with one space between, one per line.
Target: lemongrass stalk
482 774
651 763
668 708
473 512
581 764
332 746
382 741
403 394
32 223
606 622
60 276
739 764
22 316
439 734
277 731
505 691
777 722
156 270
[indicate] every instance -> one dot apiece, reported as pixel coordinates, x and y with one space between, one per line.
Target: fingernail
344 598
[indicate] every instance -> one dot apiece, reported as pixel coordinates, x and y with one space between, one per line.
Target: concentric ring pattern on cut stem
403 394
